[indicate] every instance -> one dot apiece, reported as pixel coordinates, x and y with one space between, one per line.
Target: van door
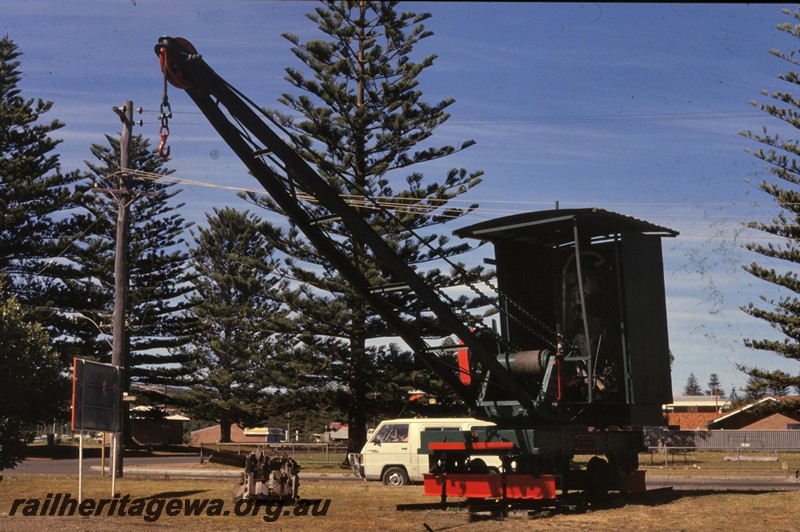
388 446
493 461
423 460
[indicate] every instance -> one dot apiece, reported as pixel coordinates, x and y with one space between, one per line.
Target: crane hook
163 149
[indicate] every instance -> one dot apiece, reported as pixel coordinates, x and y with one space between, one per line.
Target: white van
391 452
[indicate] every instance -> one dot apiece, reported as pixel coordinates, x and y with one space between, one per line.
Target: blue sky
635 108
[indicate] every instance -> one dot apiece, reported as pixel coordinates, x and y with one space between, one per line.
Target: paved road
754 483
91 466
158 466
186 467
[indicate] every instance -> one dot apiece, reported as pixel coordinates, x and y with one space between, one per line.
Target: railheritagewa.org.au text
151 509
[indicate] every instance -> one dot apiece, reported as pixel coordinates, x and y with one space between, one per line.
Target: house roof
745 408
172 414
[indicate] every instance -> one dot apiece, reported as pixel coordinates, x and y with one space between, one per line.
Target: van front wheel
395 476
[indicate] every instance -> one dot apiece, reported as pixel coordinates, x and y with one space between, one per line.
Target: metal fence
763 449
317 453
724 440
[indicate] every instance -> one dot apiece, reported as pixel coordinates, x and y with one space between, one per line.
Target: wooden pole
120 347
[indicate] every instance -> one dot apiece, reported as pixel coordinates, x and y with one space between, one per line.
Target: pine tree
35 198
734 395
32 376
734 400
363 125
157 321
714 387
781 311
232 355
758 387
692 386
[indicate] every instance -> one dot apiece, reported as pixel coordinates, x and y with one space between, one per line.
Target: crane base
486 486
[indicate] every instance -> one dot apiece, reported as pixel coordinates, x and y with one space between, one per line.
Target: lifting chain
165 112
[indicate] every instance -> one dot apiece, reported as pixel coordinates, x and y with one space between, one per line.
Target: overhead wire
546 119
409 201
363 198
413 206
410 205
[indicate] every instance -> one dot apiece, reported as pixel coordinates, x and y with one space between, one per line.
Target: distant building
239 435
751 417
156 426
692 412
334 432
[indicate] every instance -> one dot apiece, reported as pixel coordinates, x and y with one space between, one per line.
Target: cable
415 202
405 200
572 119
482 213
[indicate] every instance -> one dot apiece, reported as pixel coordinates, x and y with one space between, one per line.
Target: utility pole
120 350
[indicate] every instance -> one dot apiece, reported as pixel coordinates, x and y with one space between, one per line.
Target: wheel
477 467
600 478
623 462
395 476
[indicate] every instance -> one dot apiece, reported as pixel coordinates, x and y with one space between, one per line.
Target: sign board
96 396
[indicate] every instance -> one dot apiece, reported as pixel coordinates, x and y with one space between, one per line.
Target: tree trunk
357 417
357 404
225 431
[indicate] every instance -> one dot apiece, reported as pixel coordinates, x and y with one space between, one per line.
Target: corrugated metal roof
557 225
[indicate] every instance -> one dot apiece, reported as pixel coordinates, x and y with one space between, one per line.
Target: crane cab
582 292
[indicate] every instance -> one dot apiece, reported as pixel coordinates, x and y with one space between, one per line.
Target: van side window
392 433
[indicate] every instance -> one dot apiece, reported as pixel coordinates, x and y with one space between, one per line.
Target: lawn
722 463
363 506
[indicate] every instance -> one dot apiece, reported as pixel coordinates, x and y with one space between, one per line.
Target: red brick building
693 412
238 435
157 426
167 431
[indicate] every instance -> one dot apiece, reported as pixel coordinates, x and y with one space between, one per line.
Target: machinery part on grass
269 477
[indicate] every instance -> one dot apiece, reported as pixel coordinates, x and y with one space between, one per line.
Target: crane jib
186 69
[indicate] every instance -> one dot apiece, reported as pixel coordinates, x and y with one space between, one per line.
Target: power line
575 119
415 206
412 200
434 203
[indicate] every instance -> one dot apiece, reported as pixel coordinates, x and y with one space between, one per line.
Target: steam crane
581 359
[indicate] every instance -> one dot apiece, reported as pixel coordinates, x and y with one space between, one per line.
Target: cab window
392 433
